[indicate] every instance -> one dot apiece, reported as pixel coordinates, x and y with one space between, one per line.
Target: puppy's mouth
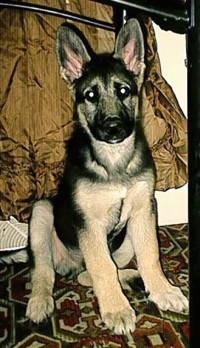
113 129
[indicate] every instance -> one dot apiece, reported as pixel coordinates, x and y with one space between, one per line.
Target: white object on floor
13 235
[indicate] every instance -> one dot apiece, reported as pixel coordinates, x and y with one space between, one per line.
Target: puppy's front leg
115 309
41 302
142 231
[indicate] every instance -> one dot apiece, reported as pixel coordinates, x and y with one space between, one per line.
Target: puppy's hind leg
41 302
122 257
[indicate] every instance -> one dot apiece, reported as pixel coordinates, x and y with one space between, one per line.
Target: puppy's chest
125 208
105 201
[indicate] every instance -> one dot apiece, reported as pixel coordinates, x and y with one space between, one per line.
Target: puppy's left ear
129 47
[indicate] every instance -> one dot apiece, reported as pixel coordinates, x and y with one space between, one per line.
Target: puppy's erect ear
72 53
129 47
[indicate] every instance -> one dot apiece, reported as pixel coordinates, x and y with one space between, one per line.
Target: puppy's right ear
72 53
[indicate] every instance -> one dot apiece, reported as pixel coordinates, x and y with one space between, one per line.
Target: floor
76 321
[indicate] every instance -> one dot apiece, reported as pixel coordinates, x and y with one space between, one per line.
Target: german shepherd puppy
104 212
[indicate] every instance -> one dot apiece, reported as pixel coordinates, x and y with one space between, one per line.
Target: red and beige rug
76 322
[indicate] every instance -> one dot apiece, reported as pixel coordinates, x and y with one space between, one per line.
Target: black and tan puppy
104 212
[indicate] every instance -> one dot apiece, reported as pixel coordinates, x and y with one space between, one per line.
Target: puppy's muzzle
113 129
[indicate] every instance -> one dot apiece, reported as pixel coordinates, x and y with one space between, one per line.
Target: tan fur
114 306
64 258
49 254
101 210
124 276
41 303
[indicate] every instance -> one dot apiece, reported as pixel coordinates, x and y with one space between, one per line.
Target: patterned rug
76 322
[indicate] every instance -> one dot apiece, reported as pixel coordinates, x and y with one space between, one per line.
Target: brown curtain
36 106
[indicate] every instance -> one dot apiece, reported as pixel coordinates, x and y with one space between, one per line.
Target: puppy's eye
91 95
124 91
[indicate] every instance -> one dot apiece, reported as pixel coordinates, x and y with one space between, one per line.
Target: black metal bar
178 13
57 12
194 166
119 17
171 17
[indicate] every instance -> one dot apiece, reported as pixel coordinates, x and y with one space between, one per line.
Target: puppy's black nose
112 128
113 123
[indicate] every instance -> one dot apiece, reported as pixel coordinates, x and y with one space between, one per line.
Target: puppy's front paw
39 307
120 322
172 299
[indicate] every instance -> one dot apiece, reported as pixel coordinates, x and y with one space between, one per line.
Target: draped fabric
36 107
